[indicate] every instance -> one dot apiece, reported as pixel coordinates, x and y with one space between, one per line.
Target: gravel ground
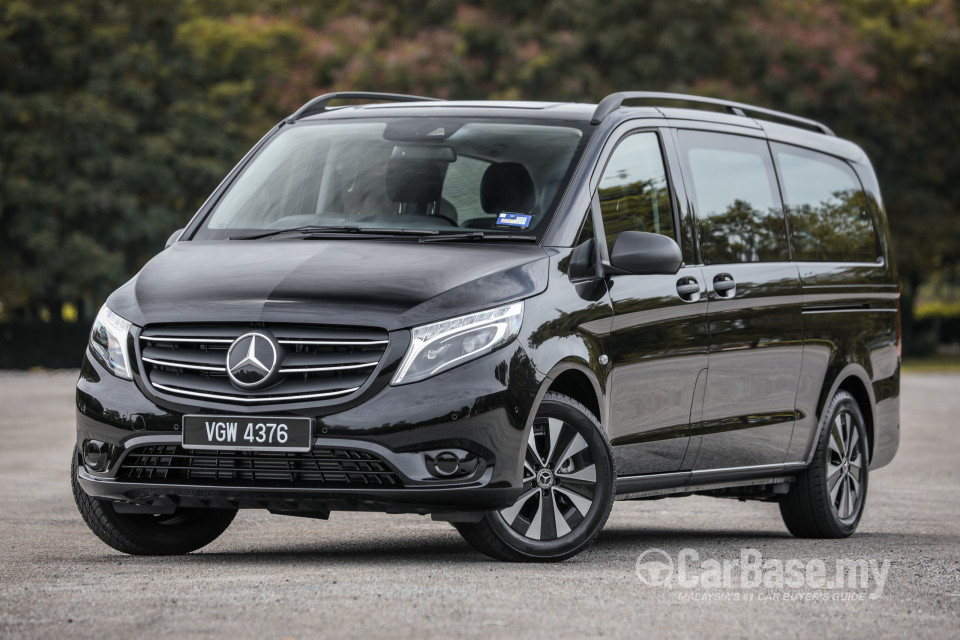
373 575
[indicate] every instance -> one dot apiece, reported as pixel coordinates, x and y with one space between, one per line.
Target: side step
713 486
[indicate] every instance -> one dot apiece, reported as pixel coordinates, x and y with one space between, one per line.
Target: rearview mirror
173 238
645 253
432 153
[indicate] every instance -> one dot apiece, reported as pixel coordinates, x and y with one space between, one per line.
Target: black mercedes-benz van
507 315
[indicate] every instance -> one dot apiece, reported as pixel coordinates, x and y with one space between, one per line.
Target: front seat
414 183
505 187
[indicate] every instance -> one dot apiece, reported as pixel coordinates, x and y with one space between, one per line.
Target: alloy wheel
844 466
559 481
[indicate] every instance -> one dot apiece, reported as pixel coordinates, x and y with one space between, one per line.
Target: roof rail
319 104
615 100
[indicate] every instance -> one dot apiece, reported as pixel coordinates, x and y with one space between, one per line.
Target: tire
828 497
568 480
181 532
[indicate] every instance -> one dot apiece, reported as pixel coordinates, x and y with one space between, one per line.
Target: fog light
451 464
447 463
96 455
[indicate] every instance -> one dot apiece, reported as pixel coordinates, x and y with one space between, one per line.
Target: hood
372 283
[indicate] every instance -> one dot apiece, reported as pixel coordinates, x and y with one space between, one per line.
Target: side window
736 199
633 189
826 206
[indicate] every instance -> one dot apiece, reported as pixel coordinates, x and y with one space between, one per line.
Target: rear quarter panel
851 333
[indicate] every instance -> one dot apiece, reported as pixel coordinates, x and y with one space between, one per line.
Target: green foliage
837 229
938 309
118 118
743 233
883 73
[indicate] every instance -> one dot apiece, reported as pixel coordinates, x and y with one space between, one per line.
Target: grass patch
939 363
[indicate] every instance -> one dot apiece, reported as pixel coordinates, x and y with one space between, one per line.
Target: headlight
108 343
439 346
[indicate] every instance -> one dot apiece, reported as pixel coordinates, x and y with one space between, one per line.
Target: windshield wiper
477 236
312 230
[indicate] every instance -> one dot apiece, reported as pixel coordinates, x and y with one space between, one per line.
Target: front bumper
474 411
155 470
451 499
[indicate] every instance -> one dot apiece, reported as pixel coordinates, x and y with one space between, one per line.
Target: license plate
246 433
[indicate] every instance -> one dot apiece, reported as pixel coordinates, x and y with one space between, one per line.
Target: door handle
688 289
724 285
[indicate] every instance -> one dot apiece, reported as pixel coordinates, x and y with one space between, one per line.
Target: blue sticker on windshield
518 220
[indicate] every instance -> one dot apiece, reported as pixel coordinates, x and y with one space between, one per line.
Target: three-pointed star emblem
251 360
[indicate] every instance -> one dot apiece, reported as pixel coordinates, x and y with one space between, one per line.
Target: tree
118 118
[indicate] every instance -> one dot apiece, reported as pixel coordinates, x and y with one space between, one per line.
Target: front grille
315 363
320 468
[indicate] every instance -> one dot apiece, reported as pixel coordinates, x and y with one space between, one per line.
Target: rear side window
736 199
633 189
826 207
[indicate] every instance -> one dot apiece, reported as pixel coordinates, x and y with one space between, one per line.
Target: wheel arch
574 378
853 379
578 385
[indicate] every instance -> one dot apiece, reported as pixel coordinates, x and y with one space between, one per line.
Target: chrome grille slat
211 357
197 340
237 398
334 358
293 385
336 343
316 362
198 367
340 368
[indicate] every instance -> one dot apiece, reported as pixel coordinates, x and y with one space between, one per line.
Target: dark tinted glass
633 190
736 199
444 175
826 206
583 260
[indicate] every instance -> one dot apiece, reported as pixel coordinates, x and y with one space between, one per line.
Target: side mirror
173 238
645 253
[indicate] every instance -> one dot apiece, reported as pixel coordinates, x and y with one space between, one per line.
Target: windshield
443 175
